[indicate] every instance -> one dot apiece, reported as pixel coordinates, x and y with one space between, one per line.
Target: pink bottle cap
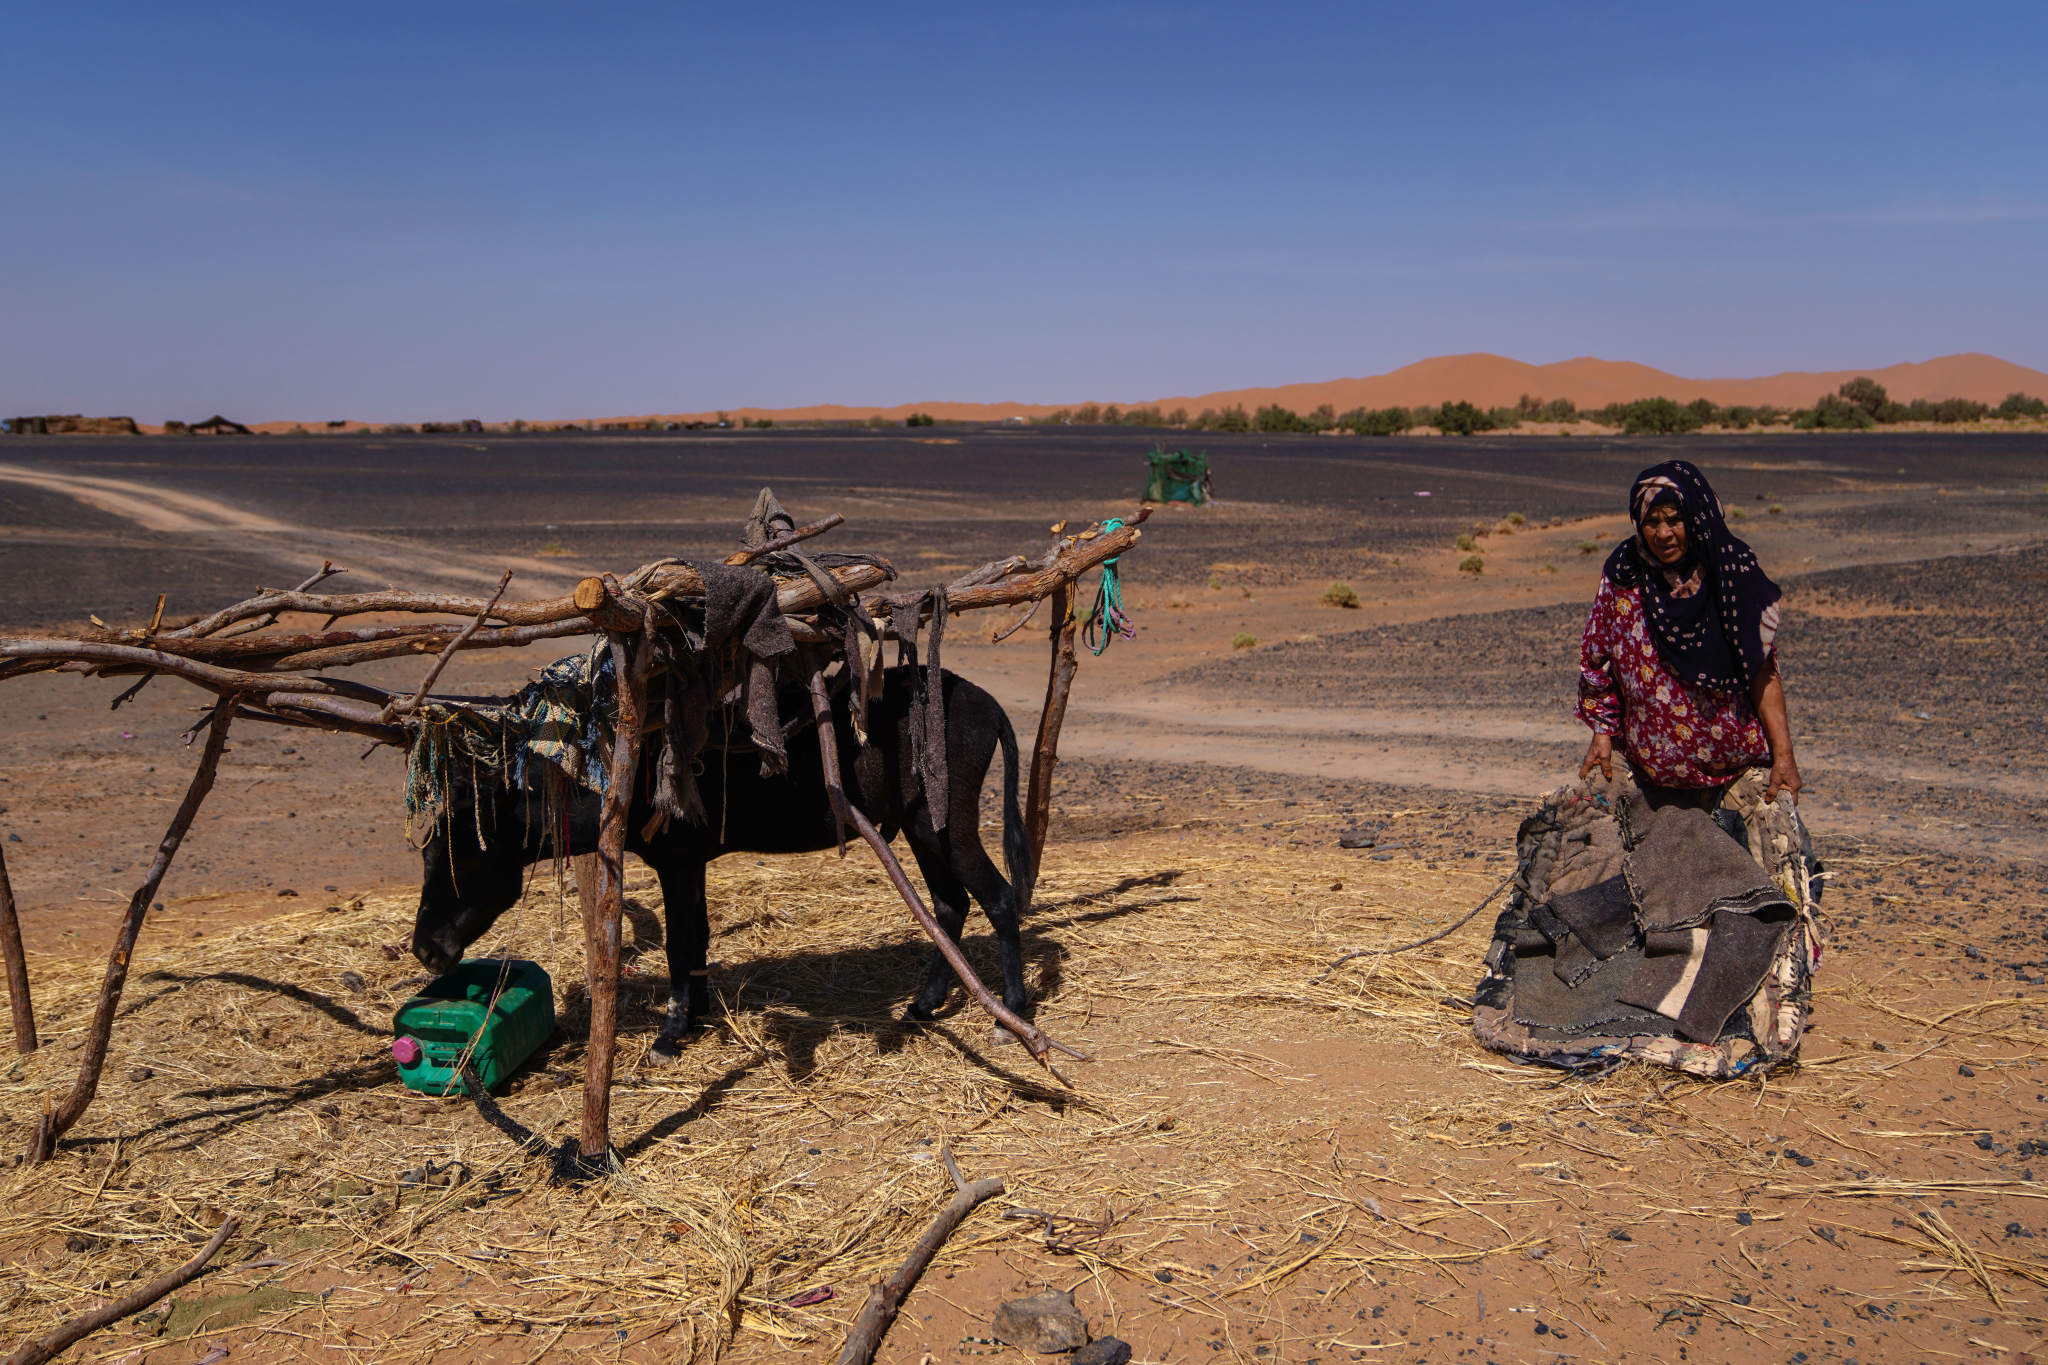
406 1050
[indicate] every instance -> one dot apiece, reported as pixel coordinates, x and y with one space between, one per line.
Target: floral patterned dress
1675 735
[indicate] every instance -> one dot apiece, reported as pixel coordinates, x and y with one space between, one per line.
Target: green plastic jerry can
496 1011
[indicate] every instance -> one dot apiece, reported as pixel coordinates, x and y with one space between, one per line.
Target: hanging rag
927 698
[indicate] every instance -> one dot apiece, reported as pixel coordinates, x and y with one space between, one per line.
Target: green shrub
1517 519
1866 393
1557 410
1548 567
1233 418
1835 413
1276 418
1947 411
1655 417
1243 641
1215 583
1144 417
1088 415
2017 405
1589 547
1472 564
763 423
1775 509
1376 421
1324 418
1340 595
1460 419
1465 542
1737 514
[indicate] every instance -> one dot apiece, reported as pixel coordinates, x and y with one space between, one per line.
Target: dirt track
1917 585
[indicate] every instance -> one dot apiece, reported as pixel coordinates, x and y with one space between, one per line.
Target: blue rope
1107 619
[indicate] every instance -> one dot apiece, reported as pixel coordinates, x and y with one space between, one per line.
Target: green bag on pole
1178 476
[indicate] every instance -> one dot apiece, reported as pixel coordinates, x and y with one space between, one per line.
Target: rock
1045 1323
1103 1351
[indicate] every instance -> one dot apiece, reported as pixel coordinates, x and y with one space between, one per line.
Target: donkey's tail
1016 844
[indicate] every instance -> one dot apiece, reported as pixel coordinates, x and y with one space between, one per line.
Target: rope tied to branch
1107 618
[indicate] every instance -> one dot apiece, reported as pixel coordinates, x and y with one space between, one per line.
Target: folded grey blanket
1711 918
1685 868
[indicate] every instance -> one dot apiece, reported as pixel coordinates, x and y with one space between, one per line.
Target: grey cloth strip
936 786
1545 921
1602 916
859 629
1575 961
927 698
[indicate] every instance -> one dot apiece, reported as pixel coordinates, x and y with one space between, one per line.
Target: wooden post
1046 752
630 658
54 1125
584 866
17 967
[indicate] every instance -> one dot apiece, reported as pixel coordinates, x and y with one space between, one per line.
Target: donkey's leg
949 908
689 942
973 869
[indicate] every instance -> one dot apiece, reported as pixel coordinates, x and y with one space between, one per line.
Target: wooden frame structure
260 673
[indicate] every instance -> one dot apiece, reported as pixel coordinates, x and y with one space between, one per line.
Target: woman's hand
1784 776
1768 693
1600 754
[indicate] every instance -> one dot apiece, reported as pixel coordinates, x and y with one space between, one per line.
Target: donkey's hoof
668 1047
915 1017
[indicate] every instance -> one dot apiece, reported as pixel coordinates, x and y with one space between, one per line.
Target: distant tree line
1860 403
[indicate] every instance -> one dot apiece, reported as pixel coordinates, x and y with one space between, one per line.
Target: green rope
1107 619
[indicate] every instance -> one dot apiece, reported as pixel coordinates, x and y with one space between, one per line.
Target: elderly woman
1677 666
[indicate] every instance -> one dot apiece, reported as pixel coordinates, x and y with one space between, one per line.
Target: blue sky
507 209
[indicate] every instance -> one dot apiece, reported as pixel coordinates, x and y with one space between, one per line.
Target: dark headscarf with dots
1720 636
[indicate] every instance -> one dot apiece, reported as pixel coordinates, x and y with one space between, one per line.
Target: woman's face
1664 533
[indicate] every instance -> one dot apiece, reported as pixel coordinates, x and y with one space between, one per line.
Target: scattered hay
791 1149
792 1152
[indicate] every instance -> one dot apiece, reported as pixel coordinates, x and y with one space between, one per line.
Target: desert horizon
1481 378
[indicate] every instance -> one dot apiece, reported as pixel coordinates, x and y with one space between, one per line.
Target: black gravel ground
1302 505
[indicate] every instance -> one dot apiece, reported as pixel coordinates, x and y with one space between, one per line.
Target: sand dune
1493 380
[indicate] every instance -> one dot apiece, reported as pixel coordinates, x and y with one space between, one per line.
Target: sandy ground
1916 581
